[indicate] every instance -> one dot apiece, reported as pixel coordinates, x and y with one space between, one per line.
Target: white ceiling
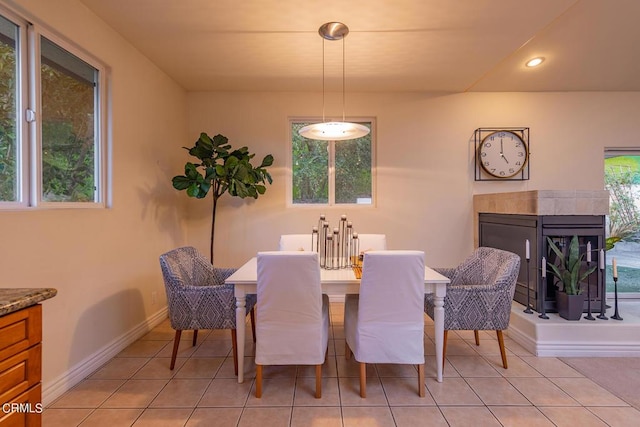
393 45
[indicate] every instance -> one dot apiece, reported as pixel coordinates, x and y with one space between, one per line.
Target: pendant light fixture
333 131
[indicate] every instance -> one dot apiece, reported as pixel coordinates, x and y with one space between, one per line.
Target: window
51 104
331 172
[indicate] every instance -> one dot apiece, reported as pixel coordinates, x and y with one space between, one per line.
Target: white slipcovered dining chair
385 323
372 242
295 242
292 326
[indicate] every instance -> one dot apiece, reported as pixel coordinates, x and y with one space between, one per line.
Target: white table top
248 275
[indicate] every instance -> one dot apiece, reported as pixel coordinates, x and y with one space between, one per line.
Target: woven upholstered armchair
480 294
198 298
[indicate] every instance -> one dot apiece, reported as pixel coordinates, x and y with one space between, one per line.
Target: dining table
334 282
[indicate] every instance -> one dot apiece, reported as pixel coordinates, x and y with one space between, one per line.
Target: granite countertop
14 299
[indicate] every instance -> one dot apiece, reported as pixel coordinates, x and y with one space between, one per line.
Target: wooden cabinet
21 367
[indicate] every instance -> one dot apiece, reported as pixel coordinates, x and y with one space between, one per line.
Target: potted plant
568 276
222 169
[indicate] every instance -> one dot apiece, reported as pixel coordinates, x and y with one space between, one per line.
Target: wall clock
502 154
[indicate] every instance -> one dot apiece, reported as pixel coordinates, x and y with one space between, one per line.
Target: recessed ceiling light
535 61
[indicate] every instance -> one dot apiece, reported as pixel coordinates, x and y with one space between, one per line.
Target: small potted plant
567 277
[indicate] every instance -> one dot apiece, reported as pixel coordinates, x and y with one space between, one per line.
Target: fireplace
507 220
509 232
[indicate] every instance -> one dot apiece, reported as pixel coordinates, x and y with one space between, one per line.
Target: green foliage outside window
622 176
310 168
353 170
8 159
68 129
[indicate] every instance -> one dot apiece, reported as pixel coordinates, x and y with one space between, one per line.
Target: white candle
322 217
526 246
588 251
601 260
315 229
615 268
544 267
343 217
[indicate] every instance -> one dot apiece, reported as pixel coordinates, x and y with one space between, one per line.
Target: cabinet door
20 330
24 411
20 372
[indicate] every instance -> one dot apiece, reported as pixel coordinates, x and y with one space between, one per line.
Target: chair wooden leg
252 314
476 335
234 345
258 381
195 337
318 381
176 344
363 380
421 380
503 352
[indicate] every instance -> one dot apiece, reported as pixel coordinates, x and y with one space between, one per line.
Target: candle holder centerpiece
337 247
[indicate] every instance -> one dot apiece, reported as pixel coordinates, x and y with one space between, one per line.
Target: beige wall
425 172
104 262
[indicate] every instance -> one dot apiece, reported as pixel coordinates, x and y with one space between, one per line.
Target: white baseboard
56 388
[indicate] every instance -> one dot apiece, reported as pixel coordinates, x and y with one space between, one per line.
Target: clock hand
505 159
501 149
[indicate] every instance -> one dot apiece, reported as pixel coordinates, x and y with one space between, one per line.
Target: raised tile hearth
557 337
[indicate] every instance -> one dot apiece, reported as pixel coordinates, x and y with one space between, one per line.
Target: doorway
622 179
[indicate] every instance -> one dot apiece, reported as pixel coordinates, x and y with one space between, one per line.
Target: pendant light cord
343 78
323 85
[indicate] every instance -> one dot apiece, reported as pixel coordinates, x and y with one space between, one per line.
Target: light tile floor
137 388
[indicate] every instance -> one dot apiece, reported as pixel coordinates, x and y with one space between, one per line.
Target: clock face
503 154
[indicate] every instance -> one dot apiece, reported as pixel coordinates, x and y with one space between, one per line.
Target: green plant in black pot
567 271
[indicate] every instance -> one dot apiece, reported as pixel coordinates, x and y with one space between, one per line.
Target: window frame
29 119
332 164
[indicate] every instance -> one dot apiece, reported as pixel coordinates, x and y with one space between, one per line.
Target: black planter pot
570 307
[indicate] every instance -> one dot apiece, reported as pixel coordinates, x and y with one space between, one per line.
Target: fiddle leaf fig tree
221 169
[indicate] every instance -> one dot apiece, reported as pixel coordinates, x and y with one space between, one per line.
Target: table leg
438 314
241 314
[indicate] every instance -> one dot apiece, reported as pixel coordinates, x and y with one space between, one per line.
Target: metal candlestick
336 247
528 309
616 316
543 312
603 291
589 316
